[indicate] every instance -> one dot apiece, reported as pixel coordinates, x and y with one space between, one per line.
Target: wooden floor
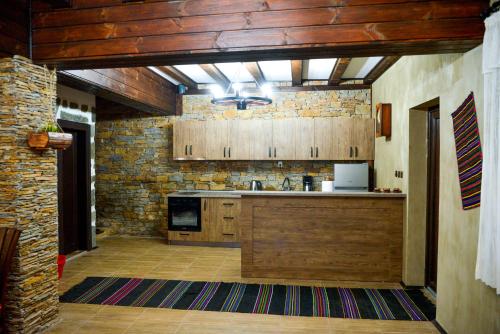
152 258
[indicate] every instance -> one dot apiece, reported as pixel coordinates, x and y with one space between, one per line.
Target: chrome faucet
287 187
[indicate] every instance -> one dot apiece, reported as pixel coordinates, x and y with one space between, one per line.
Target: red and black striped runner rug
354 303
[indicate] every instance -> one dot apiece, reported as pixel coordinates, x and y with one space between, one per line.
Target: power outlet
280 164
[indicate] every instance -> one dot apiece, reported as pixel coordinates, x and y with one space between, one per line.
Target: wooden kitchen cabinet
284 133
261 139
239 140
304 139
189 140
355 138
216 140
224 219
322 138
363 139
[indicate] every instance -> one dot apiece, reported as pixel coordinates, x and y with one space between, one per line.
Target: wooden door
432 200
324 139
181 140
304 139
239 140
216 140
284 139
197 143
363 138
73 167
261 139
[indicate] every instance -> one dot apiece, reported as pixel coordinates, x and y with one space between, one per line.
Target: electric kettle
255 185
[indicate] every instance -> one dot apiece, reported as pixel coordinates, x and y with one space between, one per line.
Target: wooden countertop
240 193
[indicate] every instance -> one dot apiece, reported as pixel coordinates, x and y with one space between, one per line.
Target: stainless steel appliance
307 183
255 185
350 177
184 214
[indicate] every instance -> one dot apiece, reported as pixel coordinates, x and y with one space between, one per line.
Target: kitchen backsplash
135 170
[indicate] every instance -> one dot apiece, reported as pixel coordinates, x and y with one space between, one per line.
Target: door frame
85 128
431 233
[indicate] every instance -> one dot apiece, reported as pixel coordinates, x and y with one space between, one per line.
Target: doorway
431 257
73 169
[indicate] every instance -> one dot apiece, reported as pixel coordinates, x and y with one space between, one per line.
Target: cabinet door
224 224
363 138
284 139
240 140
262 139
181 140
304 139
324 139
197 147
216 140
344 149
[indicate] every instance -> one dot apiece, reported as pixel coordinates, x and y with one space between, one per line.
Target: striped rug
385 304
469 154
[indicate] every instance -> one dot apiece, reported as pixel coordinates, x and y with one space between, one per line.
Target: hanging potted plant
50 135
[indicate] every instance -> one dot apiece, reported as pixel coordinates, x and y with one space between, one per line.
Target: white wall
464 305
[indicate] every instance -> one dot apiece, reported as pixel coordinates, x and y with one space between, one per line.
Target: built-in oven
184 214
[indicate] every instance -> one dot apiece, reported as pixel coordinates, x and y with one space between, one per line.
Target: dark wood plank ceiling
13 28
138 87
206 31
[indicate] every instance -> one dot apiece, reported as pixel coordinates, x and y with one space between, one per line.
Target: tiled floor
153 258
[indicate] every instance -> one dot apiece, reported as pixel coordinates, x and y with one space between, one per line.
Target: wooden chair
8 242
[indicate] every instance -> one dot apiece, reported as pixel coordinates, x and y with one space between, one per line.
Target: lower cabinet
220 222
224 220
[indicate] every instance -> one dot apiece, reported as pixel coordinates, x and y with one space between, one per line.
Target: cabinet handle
228 204
275 152
229 152
356 151
204 205
184 234
186 150
232 234
311 152
190 149
350 152
224 151
269 151
228 217
317 152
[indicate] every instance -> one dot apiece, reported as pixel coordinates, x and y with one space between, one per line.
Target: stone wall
135 169
77 106
28 199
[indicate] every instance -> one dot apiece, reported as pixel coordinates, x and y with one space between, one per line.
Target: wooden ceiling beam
379 69
254 69
138 88
209 31
338 71
216 74
296 72
315 88
178 76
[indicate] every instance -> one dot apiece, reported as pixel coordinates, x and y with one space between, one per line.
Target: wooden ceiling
110 33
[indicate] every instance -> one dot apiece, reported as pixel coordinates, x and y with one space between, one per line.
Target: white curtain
488 253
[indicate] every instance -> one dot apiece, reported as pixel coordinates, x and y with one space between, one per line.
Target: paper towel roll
326 185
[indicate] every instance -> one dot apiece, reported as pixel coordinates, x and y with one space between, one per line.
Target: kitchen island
323 236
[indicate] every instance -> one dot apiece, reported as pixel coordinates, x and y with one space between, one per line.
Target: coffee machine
307 183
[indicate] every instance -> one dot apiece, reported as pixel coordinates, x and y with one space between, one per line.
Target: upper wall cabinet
332 138
189 140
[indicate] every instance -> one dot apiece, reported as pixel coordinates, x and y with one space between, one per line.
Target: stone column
28 196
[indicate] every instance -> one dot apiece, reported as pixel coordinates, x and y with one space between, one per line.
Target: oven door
184 214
